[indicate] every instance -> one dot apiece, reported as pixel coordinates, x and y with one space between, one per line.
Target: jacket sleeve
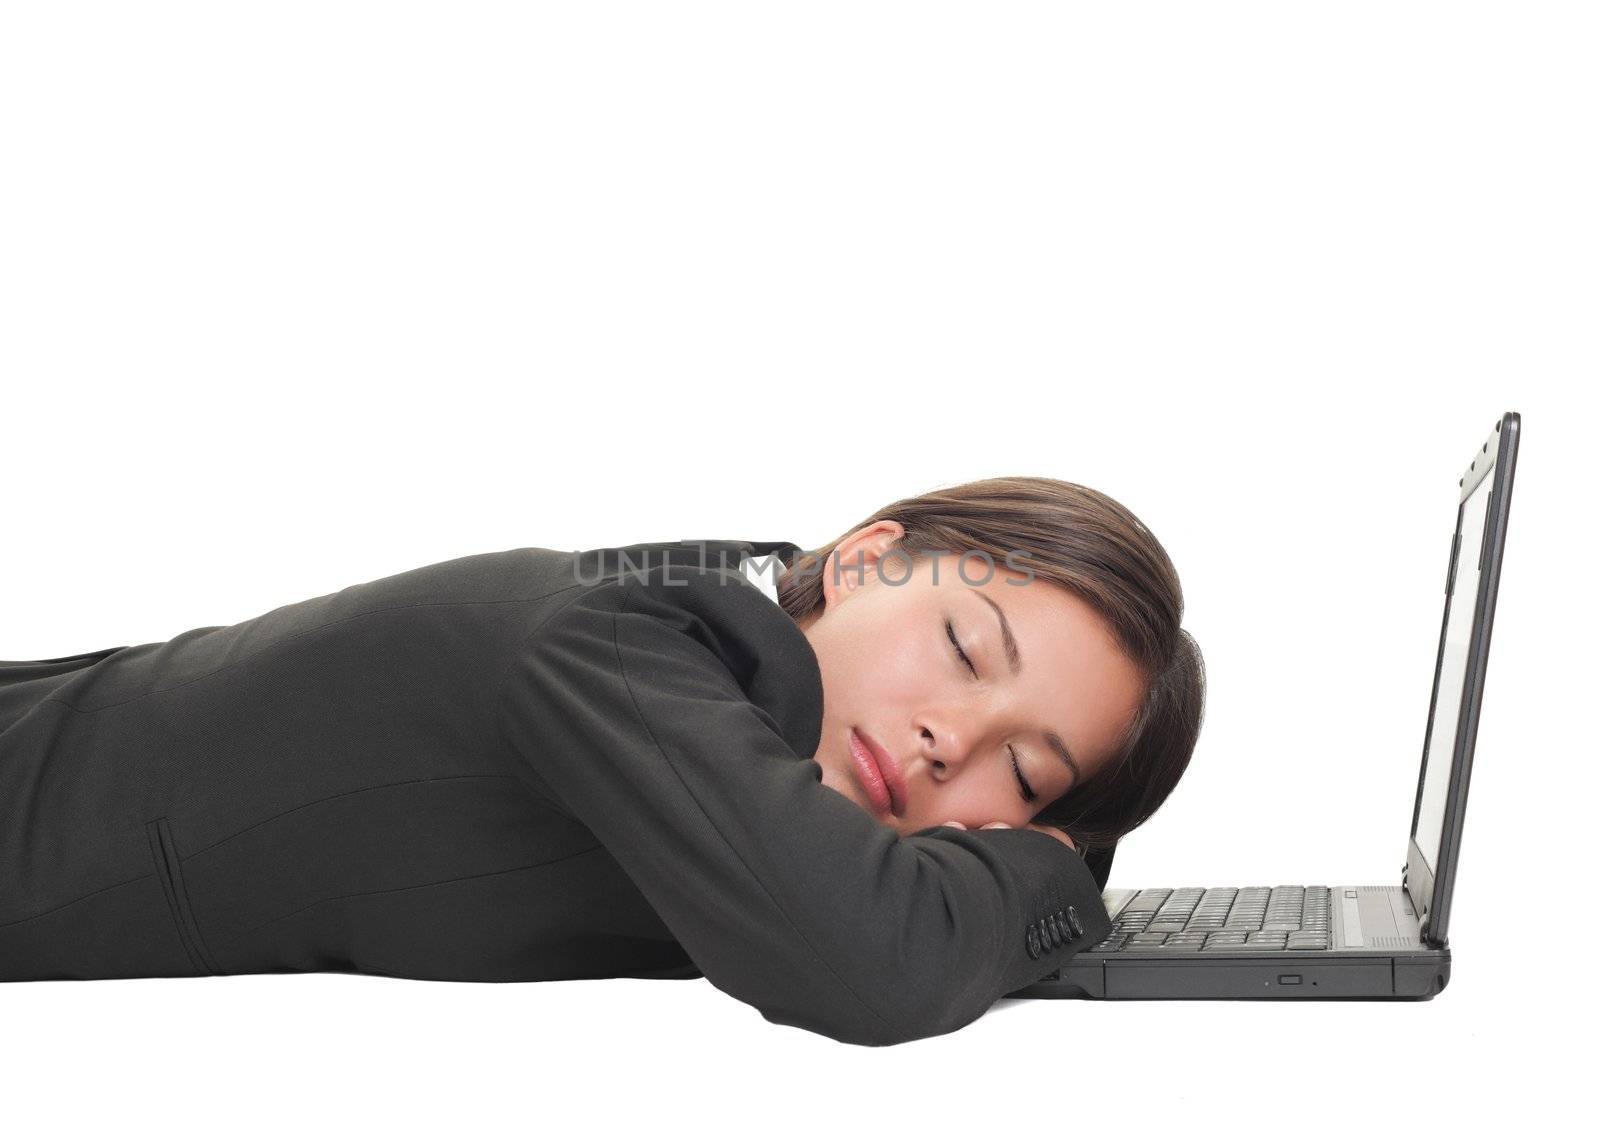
636 713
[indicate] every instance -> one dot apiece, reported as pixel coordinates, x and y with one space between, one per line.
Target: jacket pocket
170 870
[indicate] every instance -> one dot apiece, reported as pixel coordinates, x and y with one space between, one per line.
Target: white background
297 295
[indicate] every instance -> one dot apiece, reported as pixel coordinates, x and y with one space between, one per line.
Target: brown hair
1087 543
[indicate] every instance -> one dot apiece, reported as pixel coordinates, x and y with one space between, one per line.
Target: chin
843 781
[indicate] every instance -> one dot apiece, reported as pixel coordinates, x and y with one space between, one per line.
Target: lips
879 773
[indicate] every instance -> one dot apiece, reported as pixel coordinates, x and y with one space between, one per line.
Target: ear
854 560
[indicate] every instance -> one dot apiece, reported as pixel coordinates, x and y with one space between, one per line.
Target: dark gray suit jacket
520 765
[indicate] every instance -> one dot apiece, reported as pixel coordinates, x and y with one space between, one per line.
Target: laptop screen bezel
1429 887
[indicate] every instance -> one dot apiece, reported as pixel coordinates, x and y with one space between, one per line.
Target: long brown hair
1092 546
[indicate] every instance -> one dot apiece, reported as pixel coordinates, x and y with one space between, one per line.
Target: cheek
903 664
880 670
972 805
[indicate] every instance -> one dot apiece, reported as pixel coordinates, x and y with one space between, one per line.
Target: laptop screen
1439 750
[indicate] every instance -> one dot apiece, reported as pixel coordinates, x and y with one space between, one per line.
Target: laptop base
1375 954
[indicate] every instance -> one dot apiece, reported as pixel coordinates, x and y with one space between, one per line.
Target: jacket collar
596 564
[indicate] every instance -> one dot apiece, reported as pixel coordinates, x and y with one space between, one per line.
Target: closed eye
961 653
1028 793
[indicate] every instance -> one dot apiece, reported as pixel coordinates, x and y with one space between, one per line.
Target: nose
946 748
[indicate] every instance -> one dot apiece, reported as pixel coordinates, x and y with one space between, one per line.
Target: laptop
1336 941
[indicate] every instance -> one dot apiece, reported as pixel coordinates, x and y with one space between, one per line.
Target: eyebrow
1014 660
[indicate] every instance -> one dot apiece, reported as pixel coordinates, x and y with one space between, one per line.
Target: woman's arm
630 703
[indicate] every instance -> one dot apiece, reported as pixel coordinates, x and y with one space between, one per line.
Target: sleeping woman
866 789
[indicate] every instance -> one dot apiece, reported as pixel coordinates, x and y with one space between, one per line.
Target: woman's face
891 675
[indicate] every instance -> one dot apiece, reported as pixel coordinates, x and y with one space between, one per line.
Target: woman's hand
1059 835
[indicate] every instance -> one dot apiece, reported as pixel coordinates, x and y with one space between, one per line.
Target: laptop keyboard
1289 917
